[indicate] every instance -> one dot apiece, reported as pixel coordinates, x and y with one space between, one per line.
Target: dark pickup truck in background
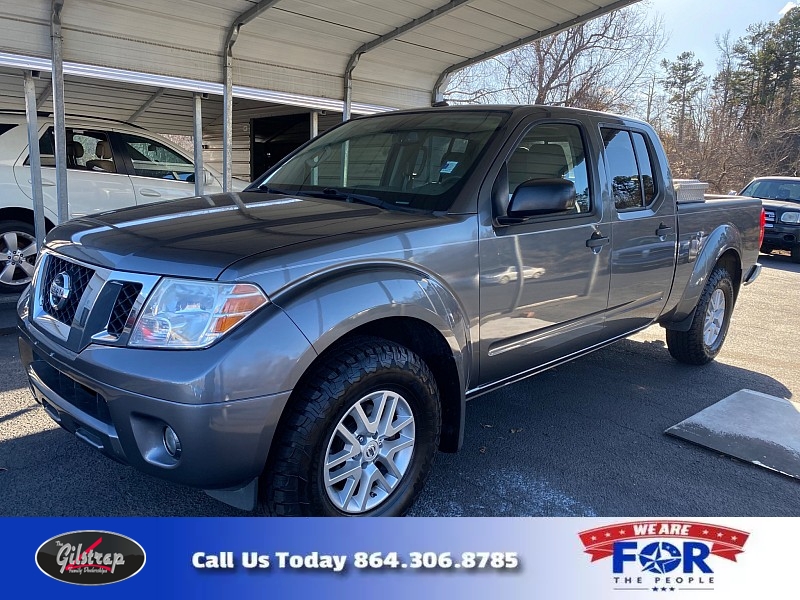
307 345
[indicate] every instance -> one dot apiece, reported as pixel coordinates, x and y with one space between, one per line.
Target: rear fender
712 247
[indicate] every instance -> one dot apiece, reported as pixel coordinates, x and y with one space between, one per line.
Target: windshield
397 161
774 189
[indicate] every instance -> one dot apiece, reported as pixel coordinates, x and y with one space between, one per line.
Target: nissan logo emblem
59 291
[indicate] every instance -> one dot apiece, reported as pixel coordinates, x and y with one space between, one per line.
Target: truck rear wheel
360 438
703 341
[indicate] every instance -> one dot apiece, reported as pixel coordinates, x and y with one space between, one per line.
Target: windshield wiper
353 197
271 190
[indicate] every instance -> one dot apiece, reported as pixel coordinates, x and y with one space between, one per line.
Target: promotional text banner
565 558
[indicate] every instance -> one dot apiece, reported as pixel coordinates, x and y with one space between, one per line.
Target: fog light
171 442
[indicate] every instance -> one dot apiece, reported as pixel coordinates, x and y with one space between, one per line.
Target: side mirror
541 197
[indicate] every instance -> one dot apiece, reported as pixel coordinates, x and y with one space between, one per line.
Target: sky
693 25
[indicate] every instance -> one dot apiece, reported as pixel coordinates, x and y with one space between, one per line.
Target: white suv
110 165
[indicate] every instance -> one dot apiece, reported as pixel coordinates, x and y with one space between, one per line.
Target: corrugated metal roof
299 47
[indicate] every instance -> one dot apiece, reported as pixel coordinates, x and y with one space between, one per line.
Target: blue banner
396 558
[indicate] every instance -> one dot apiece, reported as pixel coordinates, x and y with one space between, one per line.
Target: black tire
690 347
293 482
23 235
796 254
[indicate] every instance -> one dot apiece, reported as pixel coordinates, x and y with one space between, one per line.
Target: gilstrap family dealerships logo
90 557
663 556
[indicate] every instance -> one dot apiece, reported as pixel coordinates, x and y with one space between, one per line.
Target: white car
504 275
110 165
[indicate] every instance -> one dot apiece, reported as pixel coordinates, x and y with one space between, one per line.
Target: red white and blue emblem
663 556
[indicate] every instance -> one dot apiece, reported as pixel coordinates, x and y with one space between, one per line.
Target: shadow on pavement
780 261
54 474
12 377
586 439
16 414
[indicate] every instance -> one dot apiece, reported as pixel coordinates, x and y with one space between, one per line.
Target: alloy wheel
369 452
715 316
18 251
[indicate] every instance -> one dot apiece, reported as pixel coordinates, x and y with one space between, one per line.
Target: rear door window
87 150
630 165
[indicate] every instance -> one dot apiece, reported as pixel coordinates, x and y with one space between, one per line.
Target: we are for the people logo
663 556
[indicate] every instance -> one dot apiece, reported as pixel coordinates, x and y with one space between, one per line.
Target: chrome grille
123 305
79 277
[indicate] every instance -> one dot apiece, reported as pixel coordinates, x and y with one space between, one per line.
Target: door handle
150 193
45 182
596 242
663 231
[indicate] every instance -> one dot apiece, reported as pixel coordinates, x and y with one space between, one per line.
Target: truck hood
200 236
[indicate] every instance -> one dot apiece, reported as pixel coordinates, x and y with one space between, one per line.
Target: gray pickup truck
306 346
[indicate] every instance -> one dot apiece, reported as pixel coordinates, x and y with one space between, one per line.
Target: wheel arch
19 213
394 303
431 346
721 247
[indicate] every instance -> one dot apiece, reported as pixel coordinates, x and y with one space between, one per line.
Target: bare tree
603 64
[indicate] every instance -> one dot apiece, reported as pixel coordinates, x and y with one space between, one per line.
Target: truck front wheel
703 341
360 437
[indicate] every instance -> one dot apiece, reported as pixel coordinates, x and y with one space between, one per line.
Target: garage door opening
272 138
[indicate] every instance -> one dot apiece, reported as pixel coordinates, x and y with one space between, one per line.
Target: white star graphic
719 535
622 532
705 531
734 538
608 534
594 538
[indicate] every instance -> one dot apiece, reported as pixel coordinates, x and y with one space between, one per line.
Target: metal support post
199 173
58 111
313 127
227 105
227 109
34 158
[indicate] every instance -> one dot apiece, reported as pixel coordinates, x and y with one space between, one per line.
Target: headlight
790 217
181 313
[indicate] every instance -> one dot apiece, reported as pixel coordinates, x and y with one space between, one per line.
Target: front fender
705 251
327 306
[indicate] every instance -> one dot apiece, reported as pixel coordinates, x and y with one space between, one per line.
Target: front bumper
224 444
781 237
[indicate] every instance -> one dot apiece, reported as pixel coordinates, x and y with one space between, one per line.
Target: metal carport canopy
404 50
294 46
